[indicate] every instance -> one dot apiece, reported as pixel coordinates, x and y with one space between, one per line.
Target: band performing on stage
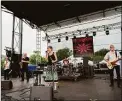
51 72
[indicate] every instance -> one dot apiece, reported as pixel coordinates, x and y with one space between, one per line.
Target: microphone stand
52 71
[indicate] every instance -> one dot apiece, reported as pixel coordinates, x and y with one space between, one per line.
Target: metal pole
13 35
40 45
121 49
20 37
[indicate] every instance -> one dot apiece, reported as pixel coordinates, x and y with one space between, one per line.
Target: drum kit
72 69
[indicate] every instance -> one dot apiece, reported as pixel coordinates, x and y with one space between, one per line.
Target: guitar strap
116 53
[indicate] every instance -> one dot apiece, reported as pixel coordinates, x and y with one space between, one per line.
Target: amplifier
6 85
41 93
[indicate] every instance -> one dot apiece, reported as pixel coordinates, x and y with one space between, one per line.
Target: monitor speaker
41 93
6 85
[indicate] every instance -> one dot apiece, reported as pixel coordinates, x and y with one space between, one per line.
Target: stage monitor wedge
41 93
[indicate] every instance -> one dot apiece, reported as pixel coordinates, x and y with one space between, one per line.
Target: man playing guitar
112 59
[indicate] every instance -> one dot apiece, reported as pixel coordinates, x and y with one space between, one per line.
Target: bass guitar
111 64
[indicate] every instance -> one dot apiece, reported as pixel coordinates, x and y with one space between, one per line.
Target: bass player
111 56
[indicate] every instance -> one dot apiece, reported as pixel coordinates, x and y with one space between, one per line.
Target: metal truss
33 26
38 40
85 31
5 10
17 35
38 44
24 20
78 19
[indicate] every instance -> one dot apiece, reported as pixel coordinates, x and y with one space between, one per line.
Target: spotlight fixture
87 35
94 33
59 40
79 31
67 37
107 32
74 37
48 40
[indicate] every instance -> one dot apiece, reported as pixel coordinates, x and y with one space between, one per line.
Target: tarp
47 12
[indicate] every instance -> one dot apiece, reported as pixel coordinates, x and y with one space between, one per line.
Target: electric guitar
111 64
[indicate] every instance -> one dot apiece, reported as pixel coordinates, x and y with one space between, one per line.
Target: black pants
6 74
23 71
118 75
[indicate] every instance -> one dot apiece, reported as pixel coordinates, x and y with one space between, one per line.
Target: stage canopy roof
42 13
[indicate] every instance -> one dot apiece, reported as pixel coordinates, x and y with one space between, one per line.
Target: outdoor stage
84 89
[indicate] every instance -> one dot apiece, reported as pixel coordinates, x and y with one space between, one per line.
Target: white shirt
6 65
111 56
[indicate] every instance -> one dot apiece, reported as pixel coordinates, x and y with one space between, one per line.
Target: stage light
107 32
87 35
67 37
79 31
48 40
94 33
59 40
74 37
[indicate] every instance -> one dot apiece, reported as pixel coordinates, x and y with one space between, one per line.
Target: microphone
46 52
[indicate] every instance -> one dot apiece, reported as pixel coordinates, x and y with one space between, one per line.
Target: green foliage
62 53
37 58
2 63
99 55
101 52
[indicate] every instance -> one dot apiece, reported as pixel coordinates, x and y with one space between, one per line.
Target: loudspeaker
6 85
41 93
91 71
16 57
85 61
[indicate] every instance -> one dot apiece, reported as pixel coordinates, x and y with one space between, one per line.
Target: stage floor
84 89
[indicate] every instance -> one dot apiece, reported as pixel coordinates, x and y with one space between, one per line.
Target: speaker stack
88 70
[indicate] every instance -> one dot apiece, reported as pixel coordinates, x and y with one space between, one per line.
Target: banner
83 46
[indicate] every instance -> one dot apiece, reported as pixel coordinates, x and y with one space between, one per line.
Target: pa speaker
16 57
85 61
41 93
6 85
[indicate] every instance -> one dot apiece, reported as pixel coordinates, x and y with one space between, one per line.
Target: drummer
65 63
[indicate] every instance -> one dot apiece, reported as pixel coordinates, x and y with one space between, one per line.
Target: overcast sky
29 36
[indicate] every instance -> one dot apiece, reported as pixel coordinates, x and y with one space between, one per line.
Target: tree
62 53
99 55
37 58
101 52
2 62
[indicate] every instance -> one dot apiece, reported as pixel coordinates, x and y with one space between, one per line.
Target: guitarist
113 55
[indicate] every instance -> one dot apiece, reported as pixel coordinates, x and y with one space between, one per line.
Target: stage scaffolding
38 43
17 34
